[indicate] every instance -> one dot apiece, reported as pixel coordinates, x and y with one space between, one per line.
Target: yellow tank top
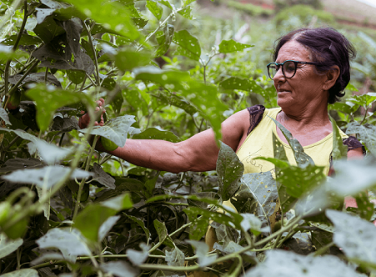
259 143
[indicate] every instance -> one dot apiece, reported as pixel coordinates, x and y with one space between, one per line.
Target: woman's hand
84 120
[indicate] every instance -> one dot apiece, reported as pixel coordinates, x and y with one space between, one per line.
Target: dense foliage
69 210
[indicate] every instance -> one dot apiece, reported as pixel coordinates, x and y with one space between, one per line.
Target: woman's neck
308 126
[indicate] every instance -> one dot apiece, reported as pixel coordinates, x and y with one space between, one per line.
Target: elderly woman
310 70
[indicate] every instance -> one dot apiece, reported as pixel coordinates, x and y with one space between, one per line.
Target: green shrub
250 8
304 13
282 4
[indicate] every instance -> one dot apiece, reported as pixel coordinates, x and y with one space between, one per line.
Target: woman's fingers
85 118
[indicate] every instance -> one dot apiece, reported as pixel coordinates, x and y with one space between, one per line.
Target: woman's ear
331 77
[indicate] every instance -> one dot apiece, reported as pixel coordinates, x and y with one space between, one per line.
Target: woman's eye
289 67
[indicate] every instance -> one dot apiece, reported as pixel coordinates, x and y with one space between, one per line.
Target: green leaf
240 84
364 100
167 98
202 250
186 12
127 59
166 3
4 116
25 40
366 133
118 203
49 153
8 246
161 229
90 219
365 207
352 176
229 46
150 185
45 177
321 239
205 98
298 180
264 191
175 257
116 129
286 264
253 223
229 169
112 15
49 99
107 226
102 177
351 87
343 107
188 45
153 133
140 222
138 257
47 28
27 272
355 236
164 41
200 225
69 243
339 150
301 158
6 53
187 2
155 9
120 268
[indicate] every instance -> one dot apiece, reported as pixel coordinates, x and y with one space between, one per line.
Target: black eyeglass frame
283 71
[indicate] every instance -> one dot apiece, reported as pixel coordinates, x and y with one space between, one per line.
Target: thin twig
94 53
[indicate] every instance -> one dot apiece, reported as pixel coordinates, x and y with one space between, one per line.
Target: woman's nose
279 76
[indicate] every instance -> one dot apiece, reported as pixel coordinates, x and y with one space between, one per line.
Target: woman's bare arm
198 153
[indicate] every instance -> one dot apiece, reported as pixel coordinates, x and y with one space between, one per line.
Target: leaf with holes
355 236
175 257
230 46
202 250
116 129
4 116
301 158
339 150
49 99
366 133
264 190
188 45
45 177
288 264
8 246
155 9
230 169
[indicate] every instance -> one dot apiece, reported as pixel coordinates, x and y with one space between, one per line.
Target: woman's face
306 89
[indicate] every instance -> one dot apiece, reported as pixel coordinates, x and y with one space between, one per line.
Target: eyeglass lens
288 69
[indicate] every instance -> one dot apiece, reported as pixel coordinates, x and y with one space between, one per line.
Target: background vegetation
167 71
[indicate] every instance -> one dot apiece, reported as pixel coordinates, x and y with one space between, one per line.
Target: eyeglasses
288 68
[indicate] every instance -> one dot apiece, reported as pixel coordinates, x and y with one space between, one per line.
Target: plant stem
15 46
365 115
35 208
156 30
20 81
323 249
173 233
83 180
46 76
94 53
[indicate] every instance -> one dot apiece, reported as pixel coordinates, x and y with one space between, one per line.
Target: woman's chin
284 101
